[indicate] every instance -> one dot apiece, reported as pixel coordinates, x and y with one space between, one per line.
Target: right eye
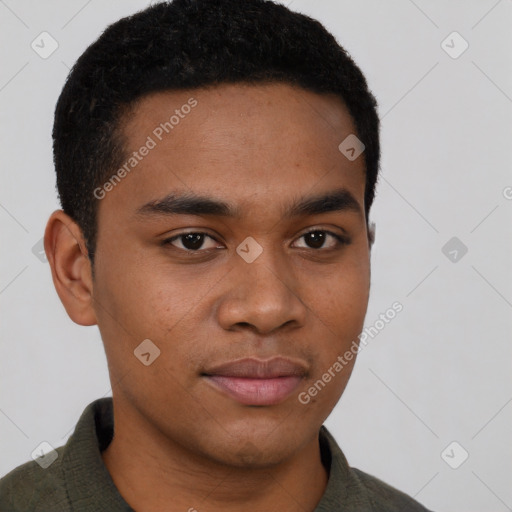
191 241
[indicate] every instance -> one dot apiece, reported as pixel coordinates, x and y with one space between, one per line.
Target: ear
71 268
371 235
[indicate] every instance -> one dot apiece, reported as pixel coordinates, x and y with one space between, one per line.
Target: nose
262 295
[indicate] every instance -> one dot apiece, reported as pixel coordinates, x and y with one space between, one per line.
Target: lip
257 382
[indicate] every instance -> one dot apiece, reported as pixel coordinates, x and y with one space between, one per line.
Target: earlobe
71 268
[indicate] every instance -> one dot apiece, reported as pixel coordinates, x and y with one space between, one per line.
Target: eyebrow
192 204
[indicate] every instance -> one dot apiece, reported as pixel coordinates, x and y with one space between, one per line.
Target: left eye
315 239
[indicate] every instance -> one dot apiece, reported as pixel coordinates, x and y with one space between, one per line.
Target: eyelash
341 240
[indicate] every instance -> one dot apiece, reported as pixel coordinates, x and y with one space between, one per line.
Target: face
249 297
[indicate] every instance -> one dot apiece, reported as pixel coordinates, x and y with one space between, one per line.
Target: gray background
440 371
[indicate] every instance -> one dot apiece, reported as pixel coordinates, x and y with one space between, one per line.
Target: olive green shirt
77 480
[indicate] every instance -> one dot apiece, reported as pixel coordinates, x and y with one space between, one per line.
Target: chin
256 450
252 456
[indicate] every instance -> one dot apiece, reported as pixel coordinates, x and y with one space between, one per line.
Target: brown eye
191 242
315 239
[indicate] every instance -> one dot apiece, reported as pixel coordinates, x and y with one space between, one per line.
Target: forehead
237 142
223 110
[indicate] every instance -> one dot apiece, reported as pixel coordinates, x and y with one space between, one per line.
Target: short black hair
187 44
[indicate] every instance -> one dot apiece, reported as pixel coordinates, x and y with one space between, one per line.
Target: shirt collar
343 487
88 482
90 486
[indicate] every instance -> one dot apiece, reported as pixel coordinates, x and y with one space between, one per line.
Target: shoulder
31 487
384 497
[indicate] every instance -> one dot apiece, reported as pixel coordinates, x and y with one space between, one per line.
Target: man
216 163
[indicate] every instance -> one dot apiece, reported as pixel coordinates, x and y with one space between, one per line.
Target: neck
157 474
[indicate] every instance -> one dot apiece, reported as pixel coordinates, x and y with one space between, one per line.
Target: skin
180 444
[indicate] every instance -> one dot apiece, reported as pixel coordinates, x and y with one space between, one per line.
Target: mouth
257 382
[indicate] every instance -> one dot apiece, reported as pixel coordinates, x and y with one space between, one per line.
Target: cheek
141 294
340 303
340 298
131 307
140 301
